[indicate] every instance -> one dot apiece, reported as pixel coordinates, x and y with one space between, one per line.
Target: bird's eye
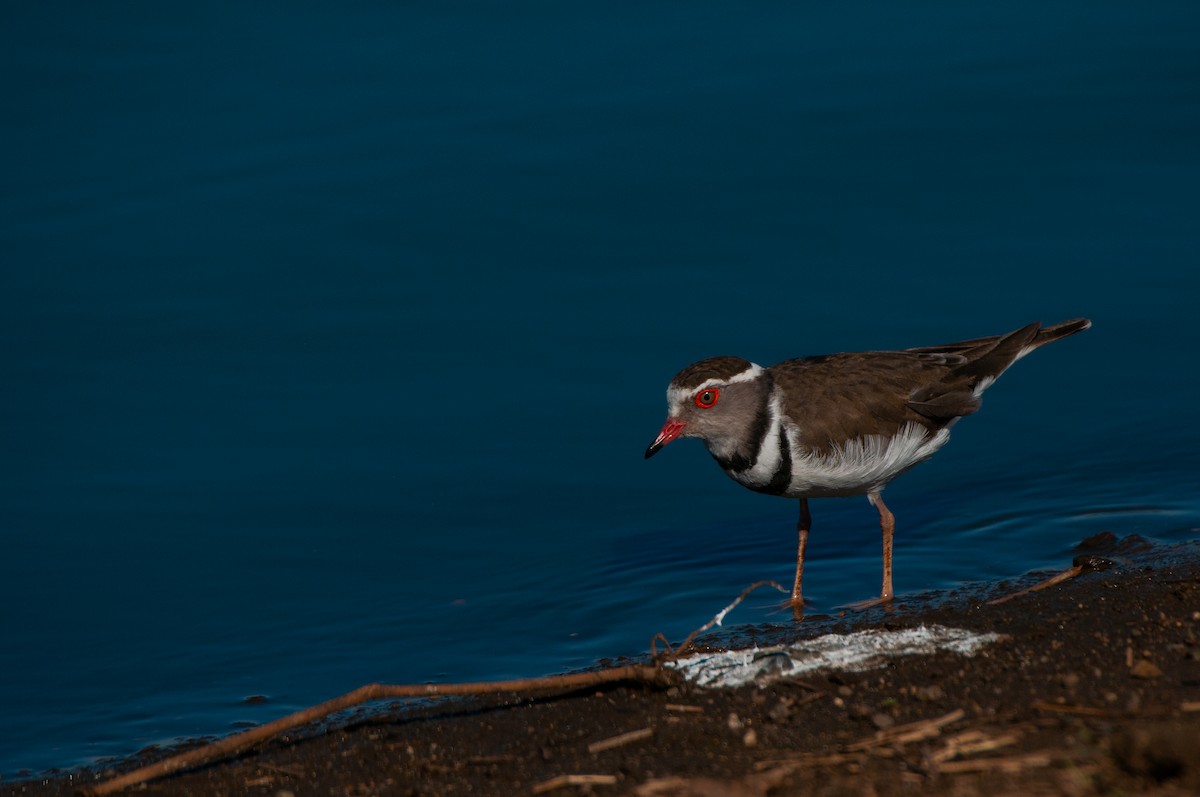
707 398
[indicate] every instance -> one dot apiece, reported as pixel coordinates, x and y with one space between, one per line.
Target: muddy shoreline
1092 689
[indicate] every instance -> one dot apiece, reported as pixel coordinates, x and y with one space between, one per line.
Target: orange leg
802 527
887 524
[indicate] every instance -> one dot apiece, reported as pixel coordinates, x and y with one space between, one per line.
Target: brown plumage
839 424
837 397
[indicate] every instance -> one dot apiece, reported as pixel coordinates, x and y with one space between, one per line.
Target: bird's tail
1057 331
993 356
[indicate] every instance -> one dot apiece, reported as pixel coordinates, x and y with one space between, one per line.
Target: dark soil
1094 691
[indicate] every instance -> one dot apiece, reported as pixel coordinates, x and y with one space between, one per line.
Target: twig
807 760
1079 711
292 771
232 745
492 759
574 780
971 742
1009 764
1069 573
757 784
1084 563
911 732
810 698
618 741
901 734
717 619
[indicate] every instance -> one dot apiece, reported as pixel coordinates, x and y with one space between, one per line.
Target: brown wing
838 397
976 347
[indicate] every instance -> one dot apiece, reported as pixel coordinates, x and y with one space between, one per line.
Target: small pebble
883 721
1145 669
750 739
781 710
734 722
930 694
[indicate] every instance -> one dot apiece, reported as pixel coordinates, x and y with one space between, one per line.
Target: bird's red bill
671 429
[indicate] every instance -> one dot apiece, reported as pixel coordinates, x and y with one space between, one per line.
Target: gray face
725 416
722 401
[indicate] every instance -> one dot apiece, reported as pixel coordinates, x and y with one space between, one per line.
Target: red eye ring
707 398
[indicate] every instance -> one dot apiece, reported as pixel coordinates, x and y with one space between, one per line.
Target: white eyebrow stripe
677 394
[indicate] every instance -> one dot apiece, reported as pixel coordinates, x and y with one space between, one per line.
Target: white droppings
864 650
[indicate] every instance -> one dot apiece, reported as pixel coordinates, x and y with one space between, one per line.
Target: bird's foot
793 605
860 606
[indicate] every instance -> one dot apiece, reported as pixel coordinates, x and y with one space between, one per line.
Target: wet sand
1093 688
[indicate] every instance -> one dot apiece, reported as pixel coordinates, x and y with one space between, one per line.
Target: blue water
332 340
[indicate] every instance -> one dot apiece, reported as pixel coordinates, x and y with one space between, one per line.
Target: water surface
333 340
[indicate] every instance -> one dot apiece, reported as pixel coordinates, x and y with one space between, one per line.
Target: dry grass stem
1008 764
574 780
878 745
814 697
971 742
1079 711
619 740
1058 578
808 760
910 732
717 619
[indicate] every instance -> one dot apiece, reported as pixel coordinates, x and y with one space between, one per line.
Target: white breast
862 465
